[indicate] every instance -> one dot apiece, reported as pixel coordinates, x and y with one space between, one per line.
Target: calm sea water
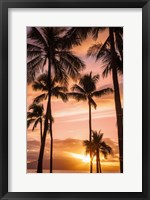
65 171
57 171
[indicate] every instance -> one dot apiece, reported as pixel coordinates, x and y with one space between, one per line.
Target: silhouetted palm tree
35 116
41 84
100 147
97 146
89 149
45 48
111 53
85 91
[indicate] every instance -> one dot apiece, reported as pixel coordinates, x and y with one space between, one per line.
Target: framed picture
74 99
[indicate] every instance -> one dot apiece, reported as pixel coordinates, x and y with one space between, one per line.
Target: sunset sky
71 126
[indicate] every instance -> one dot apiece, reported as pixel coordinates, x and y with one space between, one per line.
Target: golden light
84 158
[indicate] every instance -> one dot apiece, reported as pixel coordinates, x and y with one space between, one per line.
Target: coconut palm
89 149
115 56
85 91
97 146
41 84
100 147
35 117
45 50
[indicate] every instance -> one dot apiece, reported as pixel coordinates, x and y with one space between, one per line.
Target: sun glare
84 158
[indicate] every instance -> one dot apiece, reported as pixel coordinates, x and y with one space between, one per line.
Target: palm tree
115 64
111 52
89 149
86 90
45 49
100 148
35 116
97 146
41 84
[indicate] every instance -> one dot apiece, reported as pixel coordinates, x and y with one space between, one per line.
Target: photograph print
74 99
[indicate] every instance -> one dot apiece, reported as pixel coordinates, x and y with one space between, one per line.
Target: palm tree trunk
51 142
50 116
90 136
41 130
41 154
97 162
117 100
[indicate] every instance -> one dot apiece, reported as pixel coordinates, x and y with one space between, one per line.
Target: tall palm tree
115 39
86 90
117 97
111 53
35 116
41 84
100 148
45 49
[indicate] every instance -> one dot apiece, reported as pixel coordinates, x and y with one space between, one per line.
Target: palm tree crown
47 44
98 143
103 52
35 115
42 84
97 146
86 89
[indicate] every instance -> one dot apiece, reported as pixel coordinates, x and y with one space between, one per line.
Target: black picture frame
4 6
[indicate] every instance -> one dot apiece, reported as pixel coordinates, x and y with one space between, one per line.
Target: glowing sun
84 158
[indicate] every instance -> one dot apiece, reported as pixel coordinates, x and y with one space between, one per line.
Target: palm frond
102 92
107 70
88 82
96 30
33 54
36 123
29 122
95 78
60 72
35 115
75 36
119 40
59 94
40 98
71 63
37 109
33 67
58 88
35 35
93 103
30 115
104 49
34 61
105 149
89 146
97 138
77 88
77 96
39 85
93 50
33 47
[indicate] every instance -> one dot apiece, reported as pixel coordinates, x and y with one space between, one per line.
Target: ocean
57 171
